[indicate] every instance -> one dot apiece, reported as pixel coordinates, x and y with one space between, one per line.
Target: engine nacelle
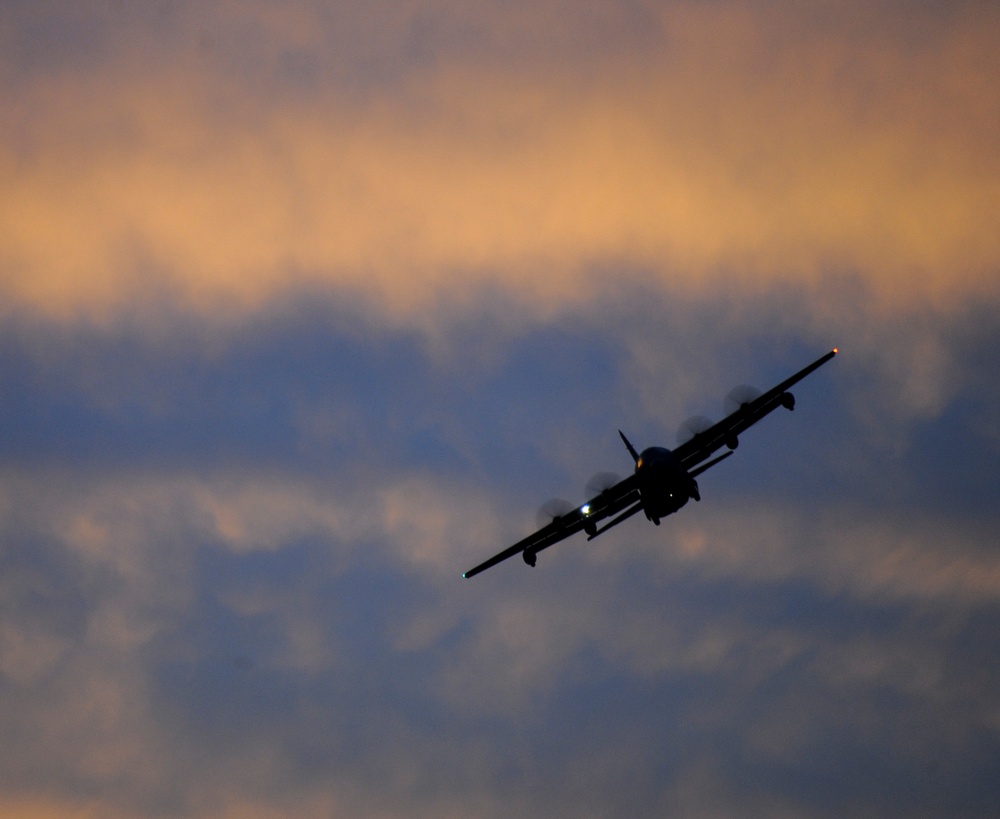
788 401
530 557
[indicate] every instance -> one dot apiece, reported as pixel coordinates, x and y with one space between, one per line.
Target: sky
307 307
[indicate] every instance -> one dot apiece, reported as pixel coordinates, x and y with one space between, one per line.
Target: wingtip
835 350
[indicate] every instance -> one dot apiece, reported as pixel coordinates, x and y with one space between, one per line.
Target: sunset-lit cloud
308 307
719 153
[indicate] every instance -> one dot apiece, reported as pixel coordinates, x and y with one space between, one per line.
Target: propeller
601 481
691 427
552 509
738 396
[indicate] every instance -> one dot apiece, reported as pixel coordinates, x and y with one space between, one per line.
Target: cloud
251 617
924 559
308 309
720 154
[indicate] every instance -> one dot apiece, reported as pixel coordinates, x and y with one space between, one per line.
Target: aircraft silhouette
663 480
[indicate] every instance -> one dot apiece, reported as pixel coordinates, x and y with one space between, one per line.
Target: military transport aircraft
663 480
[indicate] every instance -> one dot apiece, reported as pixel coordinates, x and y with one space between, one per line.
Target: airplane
663 480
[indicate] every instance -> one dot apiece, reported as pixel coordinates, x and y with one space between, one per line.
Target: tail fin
629 447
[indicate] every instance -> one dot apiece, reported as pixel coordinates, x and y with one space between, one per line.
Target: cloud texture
308 307
244 151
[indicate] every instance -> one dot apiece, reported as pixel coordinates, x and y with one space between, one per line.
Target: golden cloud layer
730 155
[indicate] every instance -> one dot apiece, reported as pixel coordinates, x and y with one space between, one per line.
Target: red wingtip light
835 350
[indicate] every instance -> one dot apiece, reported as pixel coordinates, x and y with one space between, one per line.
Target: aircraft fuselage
664 485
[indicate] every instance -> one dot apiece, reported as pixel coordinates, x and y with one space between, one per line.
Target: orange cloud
924 559
728 156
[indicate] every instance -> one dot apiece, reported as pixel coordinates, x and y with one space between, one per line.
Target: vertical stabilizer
629 447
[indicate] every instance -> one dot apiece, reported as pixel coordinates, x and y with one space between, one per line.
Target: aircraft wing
586 516
726 432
